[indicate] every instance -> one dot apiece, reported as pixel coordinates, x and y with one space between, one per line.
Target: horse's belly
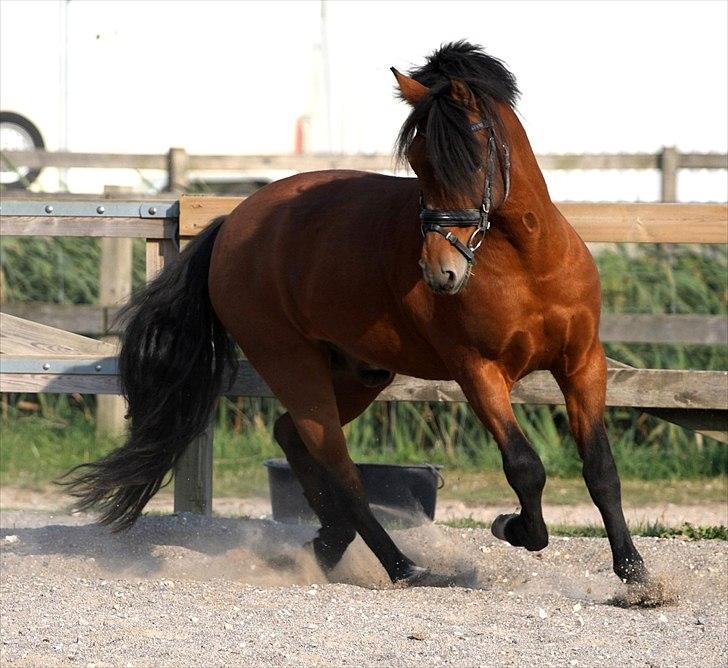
380 340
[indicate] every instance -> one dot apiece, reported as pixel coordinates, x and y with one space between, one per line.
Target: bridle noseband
438 220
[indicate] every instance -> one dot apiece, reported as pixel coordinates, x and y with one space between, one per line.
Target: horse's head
449 139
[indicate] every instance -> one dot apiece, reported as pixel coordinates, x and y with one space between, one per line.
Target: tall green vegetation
635 279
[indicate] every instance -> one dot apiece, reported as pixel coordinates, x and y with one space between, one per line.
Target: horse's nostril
450 275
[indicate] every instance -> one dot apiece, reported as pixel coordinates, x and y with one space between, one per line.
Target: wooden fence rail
35 358
178 163
96 320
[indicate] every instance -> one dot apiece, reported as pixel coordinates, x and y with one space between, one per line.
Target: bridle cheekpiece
438 220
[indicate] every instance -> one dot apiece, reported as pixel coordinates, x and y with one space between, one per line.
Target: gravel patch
185 590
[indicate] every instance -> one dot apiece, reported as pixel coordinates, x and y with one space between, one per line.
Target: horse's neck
528 215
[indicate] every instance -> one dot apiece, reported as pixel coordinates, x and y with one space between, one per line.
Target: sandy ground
184 590
668 514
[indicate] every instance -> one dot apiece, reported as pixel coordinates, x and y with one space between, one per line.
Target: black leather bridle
438 220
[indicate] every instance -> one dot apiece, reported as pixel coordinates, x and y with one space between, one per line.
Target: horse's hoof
651 592
505 528
632 572
415 576
498 528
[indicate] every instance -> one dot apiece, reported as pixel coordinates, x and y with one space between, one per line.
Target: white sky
232 77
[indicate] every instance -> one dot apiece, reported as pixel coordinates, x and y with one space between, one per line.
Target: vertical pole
177 165
193 476
193 473
4 408
114 289
669 162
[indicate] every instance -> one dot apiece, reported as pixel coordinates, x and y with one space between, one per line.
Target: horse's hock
38 358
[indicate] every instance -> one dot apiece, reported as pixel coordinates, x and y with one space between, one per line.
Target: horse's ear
461 93
411 91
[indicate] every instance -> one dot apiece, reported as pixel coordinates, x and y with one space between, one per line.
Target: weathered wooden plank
58 383
662 328
82 226
712 423
68 159
196 211
23 337
615 327
569 161
373 162
703 161
638 388
594 221
626 387
648 222
78 318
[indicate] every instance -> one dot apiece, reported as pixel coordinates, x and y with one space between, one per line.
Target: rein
438 220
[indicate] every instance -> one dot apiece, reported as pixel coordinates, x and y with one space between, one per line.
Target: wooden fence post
177 162
193 476
114 289
669 163
193 473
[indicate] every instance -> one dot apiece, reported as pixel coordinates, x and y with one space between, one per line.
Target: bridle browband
438 220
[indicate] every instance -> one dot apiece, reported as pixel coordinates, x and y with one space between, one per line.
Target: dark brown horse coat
326 284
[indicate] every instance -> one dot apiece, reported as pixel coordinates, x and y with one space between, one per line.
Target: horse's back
312 253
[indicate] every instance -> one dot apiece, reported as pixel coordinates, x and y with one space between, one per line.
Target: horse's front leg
489 395
585 394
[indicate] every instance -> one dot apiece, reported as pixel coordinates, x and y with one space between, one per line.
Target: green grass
37 449
489 487
650 529
657 460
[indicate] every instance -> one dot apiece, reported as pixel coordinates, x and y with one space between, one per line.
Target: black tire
9 118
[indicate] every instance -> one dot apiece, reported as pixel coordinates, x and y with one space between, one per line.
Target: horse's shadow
267 553
254 551
141 549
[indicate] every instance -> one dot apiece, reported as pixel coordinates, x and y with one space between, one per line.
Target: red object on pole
299 139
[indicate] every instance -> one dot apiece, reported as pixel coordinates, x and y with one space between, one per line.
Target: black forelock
486 76
452 149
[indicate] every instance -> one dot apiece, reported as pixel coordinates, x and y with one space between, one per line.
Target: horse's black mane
452 148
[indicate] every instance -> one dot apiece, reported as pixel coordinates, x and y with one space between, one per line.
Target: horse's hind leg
301 378
584 392
337 531
488 395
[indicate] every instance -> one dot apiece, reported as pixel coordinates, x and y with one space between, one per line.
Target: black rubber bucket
404 495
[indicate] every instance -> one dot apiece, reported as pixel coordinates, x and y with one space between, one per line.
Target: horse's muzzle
444 280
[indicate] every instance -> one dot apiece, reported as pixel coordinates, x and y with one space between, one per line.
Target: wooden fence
178 164
38 358
98 320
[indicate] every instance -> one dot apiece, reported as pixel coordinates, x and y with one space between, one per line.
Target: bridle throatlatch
438 220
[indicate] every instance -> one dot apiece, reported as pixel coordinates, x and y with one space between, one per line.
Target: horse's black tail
173 360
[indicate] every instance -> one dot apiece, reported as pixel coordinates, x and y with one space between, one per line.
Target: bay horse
331 282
